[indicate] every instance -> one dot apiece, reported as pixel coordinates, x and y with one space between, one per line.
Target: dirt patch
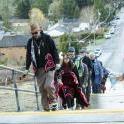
14 55
27 101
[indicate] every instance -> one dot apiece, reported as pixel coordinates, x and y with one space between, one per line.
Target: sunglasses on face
34 33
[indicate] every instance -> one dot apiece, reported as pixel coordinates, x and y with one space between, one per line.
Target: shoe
70 109
53 106
64 106
46 110
78 108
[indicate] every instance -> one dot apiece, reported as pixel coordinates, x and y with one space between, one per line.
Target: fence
17 90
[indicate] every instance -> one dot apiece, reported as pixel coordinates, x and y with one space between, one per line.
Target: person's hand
60 82
25 73
58 66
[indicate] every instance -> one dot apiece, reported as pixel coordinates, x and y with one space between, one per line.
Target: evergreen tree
69 8
23 8
82 3
42 5
55 10
63 43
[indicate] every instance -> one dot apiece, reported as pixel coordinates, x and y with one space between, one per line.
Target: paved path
64 117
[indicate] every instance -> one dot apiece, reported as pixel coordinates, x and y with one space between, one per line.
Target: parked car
112 30
107 36
117 18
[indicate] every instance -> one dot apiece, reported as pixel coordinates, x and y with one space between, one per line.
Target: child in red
69 89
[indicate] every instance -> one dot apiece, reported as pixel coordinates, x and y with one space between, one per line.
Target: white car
112 30
107 36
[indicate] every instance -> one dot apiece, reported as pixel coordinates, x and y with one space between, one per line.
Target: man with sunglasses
43 55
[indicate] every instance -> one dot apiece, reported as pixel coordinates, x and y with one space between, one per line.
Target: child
69 88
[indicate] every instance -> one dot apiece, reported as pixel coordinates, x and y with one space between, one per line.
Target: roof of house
14 41
19 20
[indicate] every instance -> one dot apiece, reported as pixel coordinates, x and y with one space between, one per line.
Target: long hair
69 65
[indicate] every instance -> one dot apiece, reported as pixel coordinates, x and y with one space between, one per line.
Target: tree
36 16
82 3
103 10
6 11
76 12
69 8
42 5
63 43
55 10
101 13
22 8
5 15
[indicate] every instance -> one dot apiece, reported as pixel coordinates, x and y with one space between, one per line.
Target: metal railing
16 89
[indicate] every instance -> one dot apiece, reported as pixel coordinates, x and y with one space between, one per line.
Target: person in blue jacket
97 74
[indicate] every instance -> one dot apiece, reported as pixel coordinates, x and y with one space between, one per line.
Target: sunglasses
34 33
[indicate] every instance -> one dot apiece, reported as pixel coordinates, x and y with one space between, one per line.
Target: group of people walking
74 78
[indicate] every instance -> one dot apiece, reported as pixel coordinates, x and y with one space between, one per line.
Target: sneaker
64 106
46 110
78 108
53 106
70 109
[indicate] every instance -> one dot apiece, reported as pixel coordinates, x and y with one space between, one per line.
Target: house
81 27
12 49
20 26
14 41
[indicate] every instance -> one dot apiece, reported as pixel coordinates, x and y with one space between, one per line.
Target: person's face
71 55
35 33
82 54
92 57
66 60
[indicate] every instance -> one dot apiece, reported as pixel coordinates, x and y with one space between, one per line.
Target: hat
71 49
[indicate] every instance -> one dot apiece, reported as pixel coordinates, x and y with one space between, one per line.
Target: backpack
78 63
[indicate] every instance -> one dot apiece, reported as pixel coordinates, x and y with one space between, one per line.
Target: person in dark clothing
72 57
82 71
70 88
86 60
83 76
42 53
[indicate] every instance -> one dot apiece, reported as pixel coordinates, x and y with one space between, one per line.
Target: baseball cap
71 49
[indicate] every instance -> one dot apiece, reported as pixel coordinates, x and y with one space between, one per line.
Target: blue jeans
96 88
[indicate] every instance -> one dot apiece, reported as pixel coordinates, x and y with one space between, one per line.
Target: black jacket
47 45
86 60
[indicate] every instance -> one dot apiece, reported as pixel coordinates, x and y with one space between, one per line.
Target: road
114 49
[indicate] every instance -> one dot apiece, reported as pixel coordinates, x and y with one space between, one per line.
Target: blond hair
34 26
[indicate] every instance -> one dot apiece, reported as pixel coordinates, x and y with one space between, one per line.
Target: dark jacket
86 60
47 46
97 73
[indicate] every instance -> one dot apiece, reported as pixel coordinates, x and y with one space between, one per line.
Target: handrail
13 69
15 89
9 88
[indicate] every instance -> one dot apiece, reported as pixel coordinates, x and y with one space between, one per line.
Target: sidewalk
84 116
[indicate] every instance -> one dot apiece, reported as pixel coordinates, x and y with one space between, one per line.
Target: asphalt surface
114 49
